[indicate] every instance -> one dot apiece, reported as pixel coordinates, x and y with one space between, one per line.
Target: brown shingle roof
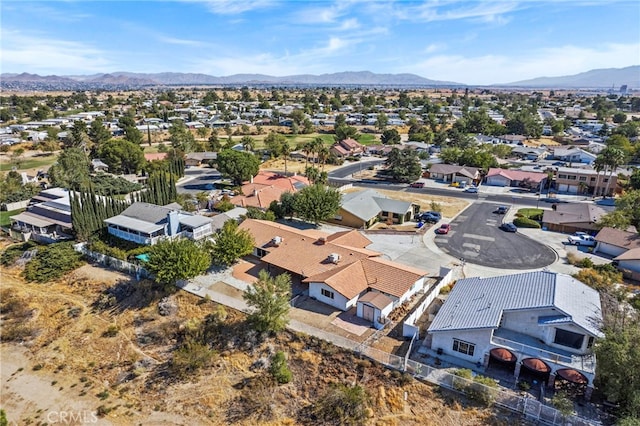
376 299
633 254
447 169
619 238
573 213
350 238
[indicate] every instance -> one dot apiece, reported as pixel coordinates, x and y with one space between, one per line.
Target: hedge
523 222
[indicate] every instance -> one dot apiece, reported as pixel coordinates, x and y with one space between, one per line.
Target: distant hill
600 78
189 79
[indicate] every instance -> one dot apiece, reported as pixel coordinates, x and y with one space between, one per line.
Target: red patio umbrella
573 376
502 354
536 364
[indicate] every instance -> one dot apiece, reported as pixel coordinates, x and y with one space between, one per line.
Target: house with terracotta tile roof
515 178
267 187
347 147
336 269
156 156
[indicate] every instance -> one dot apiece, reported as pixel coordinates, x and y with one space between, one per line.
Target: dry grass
72 349
542 141
450 206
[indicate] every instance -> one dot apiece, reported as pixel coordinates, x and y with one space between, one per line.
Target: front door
367 312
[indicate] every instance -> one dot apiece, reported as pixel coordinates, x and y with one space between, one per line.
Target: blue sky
471 42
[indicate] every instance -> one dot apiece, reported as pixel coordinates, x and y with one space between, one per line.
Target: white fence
527 406
408 327
14 206
112 262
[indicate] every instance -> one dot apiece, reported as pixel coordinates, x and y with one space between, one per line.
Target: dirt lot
97 344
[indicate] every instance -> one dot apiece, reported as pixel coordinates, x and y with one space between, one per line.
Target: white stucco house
545 317
147 224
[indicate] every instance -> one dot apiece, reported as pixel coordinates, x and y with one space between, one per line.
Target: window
463 347
583 178
326 293
562 176
261 252
590 342
605 180
592 179
573 177
568 339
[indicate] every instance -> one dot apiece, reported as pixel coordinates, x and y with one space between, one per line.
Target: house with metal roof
544 321
147 224
362 209
47 218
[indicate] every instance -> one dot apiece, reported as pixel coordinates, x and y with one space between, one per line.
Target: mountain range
600 78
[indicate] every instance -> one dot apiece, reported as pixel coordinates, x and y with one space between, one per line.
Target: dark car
502 209
444 229
509 227
432 217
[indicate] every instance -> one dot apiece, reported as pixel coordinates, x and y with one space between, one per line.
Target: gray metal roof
193 221
134 224
476 303
146 212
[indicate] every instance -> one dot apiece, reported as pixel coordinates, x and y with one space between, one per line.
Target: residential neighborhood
386 226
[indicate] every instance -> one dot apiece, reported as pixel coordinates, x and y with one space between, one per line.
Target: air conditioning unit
276 241
334 258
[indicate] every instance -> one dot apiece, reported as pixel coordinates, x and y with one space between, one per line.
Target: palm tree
248 143
285 150
307 148
316 145
599 165
323 155
614 157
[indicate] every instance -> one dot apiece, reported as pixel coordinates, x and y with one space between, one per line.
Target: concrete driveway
476 237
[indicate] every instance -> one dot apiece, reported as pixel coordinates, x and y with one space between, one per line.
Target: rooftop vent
334 258
322 240
276 241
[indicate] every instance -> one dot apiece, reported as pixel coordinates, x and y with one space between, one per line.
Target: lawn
4 216
531 213
29 163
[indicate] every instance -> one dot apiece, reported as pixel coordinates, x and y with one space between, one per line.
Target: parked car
509 227
581 239
417 185
444 229
430 216
502 209
473 189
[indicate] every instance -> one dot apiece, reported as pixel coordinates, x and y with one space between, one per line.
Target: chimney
251 179
322 240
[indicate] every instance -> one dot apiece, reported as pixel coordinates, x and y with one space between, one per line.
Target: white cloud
432 11
433 47
234 7
349 24
553 61
21 52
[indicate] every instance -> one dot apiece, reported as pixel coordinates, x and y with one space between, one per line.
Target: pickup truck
581 239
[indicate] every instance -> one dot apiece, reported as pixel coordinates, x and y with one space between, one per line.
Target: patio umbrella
502 354
573 376
536 364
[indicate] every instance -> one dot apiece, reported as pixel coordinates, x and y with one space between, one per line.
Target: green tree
269 296
316 203
231 243
122 156
346 132
382 121
174 260
181 138
404 165
618 368
450 155
274 142
98 133
248 143
239 166
390 137
619 117
71 170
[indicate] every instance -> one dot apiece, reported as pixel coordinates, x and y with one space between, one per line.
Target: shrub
342 404
112 331
523 385
523 222
562 403
445 289
279 369
12 253
436 207
585 263
52 262
191 357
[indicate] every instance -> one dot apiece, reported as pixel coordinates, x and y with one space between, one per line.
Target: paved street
476 237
